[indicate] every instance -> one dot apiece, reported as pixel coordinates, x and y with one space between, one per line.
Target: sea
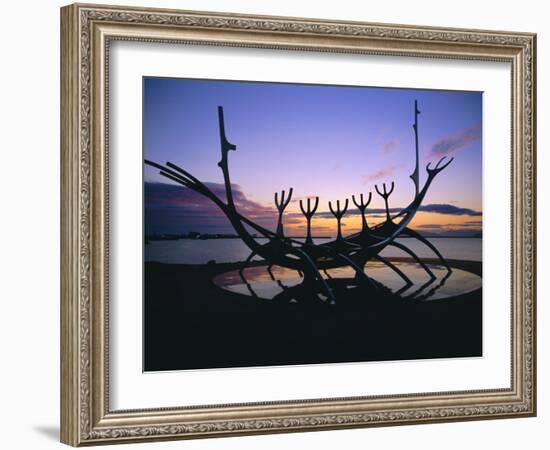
197 251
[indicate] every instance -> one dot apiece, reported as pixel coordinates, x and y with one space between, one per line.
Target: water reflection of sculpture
307 257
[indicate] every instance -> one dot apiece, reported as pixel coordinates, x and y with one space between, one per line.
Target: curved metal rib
396 269
415 257
427 243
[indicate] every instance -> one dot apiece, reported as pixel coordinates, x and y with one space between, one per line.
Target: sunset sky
326 141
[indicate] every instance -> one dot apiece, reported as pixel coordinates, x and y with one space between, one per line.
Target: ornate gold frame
86 31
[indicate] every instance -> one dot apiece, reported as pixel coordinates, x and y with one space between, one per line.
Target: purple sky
330 141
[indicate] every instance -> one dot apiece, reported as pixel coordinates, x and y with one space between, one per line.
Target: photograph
293 224
292 220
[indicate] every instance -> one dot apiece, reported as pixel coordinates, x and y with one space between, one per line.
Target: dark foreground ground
189 323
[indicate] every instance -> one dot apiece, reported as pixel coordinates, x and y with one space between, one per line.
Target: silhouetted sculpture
362 207
308 213
281 206
385 195
415 174
307 257
339 213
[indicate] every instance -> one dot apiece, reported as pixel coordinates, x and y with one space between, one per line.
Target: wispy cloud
389 146
304 198
380 174
173 208
456 141
164 194
430 226
445 208
441 208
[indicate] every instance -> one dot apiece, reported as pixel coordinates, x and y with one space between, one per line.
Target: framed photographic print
275 224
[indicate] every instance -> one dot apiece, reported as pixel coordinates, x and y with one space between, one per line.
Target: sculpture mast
223 164
414 175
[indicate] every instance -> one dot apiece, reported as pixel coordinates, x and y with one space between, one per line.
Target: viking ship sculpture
307 257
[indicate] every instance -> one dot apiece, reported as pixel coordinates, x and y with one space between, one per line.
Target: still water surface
264 283
196 251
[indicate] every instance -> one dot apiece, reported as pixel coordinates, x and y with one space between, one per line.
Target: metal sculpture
339 213
281 206
388 227
362 207
308 258
309 213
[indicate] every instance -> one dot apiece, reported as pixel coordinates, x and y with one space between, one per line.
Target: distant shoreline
170 237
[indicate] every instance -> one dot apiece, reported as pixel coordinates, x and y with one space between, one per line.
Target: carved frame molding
86 31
